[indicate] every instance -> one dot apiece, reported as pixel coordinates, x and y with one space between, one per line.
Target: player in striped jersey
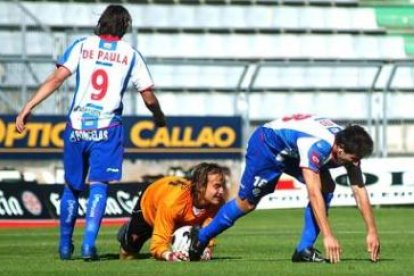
169 203
93 138
304 147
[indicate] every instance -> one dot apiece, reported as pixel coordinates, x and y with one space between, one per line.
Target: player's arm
160 246
314 188
153 105
52 83
364 205
141 78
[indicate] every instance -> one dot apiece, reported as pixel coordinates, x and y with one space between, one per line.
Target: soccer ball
180 242
181 239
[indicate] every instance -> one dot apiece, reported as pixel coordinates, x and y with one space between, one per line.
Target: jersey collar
110 38
198 212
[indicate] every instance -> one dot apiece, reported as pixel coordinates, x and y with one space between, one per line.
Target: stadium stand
236 46
199 18
225 2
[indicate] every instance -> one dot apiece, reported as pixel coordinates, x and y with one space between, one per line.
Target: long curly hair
115 20
198 177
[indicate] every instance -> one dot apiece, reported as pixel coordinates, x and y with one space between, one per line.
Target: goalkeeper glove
175 256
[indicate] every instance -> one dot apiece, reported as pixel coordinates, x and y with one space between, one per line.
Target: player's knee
245 205
69 189
131 247
128 243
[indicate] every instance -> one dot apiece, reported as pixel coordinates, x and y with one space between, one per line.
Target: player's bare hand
373 246
160 120
332 249
21 120
176 256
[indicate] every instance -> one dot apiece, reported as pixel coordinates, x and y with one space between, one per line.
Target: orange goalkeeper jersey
167 205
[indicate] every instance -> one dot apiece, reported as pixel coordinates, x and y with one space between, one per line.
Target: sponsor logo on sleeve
315 159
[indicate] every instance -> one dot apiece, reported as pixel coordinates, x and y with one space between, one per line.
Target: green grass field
259 244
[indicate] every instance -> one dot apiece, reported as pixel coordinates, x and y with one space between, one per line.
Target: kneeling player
305 147
169 203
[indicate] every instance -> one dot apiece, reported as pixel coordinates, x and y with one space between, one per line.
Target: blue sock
310 229
224 219
94 212
69 206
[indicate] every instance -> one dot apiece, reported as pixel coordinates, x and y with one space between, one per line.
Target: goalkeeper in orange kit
169 203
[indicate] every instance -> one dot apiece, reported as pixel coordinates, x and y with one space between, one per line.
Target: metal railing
247 84
242 89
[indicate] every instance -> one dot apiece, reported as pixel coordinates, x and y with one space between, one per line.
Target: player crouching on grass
169 203
305 147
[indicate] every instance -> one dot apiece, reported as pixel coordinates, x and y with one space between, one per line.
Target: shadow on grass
367 260
113 256
251 260
225 258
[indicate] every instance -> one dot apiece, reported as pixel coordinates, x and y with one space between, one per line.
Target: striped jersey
103 66
304 137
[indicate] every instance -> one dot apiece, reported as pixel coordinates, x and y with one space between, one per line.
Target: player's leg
225 218
105 162
133 234
95 211
305 250
69 207
75 173
259 178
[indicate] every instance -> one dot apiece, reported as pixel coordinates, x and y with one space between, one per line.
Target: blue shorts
98 153
261 172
